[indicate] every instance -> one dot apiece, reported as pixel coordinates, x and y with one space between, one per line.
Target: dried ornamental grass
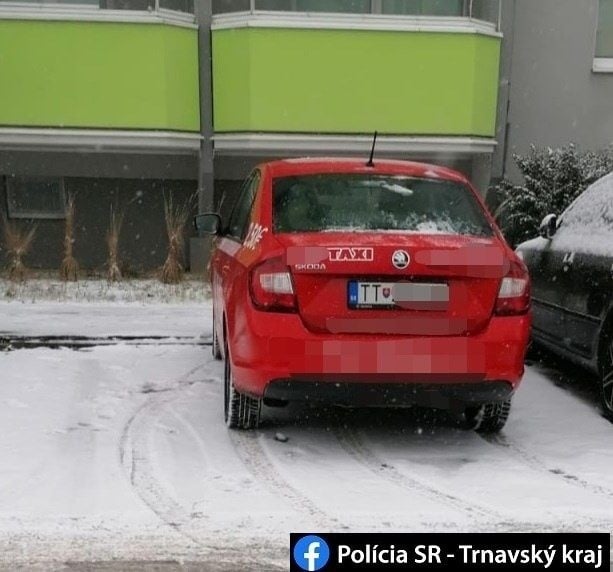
17 242
112 242
176 217
70 268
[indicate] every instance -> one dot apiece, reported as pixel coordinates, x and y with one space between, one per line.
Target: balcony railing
184 6
485 10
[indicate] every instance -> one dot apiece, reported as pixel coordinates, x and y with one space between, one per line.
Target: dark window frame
19 213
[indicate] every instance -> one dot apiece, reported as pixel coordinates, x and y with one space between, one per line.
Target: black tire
488 418
240 411
606 376
215 347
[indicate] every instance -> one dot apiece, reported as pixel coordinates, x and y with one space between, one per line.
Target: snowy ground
118 453
46 287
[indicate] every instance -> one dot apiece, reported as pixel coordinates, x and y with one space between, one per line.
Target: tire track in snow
254 457
135 458
134 453
355 447
532 461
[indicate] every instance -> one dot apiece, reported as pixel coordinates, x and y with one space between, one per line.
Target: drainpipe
507 27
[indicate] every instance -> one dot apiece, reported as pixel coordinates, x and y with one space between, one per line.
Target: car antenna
372 151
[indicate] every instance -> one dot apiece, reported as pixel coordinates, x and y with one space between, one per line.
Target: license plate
408 295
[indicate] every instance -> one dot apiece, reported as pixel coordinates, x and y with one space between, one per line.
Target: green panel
485 99
99 75
231 83
348 81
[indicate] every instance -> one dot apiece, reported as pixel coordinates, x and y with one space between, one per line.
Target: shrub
112 242
17 242
69 269
176 217
553 178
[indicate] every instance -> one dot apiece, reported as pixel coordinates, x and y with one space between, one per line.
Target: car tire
606 376
215 347
240 411
488 418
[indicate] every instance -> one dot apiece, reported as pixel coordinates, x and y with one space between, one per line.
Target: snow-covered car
571 265
350 283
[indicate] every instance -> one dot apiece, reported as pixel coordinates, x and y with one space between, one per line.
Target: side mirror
208 223
549 226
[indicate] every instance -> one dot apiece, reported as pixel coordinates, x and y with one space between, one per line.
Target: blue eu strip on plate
353 293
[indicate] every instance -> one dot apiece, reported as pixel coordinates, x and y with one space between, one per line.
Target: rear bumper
266 347
385 394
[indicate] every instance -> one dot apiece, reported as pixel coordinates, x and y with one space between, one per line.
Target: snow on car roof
323 165
587 224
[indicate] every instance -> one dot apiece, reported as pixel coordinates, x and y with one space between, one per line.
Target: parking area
114 450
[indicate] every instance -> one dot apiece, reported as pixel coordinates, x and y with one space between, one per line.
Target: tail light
514 294
271 287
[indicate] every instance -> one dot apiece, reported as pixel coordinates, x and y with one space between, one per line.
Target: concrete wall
555 97
99 165
143 239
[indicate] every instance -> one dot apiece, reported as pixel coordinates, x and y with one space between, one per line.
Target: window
149 5
486 10
74 2
423 7
604 34
128 4
222 6
178 5
347 202
240 214
143 5
338 6
36 197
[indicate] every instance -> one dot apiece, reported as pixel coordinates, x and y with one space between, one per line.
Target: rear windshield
363 203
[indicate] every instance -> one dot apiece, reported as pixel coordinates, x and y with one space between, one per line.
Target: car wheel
488 418
606 377
240 411
215 348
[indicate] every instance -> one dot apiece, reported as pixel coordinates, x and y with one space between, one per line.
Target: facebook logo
311 553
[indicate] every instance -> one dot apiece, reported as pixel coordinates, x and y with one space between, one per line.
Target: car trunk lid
448 287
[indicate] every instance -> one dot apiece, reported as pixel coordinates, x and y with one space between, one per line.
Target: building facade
126 103
102 103
560 70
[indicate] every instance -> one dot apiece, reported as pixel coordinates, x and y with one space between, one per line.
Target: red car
335 281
